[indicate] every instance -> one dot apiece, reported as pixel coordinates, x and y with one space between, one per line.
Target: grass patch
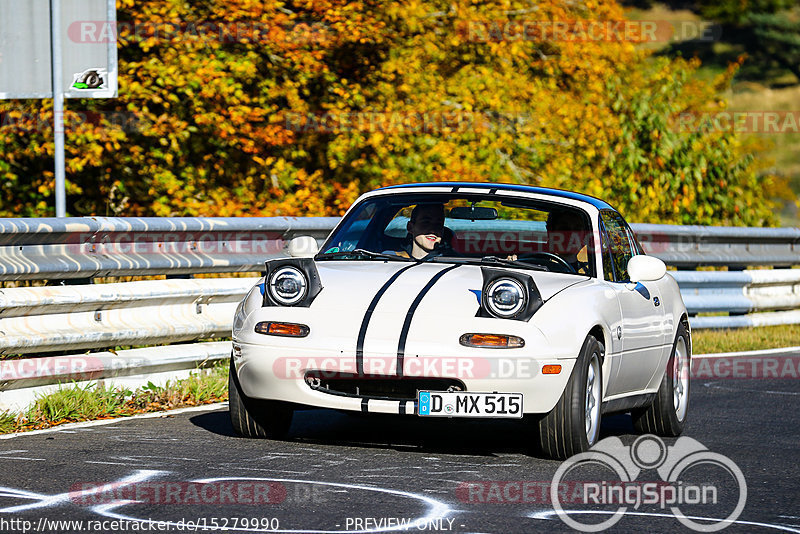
73 403
740 339
7 422
77 403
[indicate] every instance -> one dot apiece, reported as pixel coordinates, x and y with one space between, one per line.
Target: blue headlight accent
478 293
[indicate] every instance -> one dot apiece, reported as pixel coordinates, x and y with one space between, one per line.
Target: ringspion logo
678 490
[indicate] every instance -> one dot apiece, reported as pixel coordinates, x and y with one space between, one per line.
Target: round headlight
288 286
505 297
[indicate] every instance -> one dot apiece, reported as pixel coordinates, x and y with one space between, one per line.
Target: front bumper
279 373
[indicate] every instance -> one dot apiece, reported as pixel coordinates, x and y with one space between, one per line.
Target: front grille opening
380 387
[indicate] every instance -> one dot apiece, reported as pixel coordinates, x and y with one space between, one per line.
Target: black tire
256 418
563 432
667 415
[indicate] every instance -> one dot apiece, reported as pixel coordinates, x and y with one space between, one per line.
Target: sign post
58 108
45 53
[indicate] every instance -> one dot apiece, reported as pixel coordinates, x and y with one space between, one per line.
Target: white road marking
551 514
46 501
436 509
156 457
714 386
4 456
745 354
391 467
382 476
267 470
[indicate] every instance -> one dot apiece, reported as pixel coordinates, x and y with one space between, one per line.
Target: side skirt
625 404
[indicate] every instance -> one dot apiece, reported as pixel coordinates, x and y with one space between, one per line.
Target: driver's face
428 227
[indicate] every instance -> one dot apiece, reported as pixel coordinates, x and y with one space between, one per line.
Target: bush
310 104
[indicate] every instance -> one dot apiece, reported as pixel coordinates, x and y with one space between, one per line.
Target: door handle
656 301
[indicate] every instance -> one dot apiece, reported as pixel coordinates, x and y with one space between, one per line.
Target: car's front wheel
667 415
256 418
574 424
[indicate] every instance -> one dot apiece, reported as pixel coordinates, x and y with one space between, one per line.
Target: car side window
619 249
608 265
637 247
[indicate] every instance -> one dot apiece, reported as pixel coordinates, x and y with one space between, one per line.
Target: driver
566 236
426 230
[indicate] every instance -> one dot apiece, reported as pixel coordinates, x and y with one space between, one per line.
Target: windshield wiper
492 260
360 253
513 263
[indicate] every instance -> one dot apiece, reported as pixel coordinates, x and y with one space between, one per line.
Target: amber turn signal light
272 328
492 341
551 369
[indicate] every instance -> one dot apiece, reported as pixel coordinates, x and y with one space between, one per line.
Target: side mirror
646 269
303 246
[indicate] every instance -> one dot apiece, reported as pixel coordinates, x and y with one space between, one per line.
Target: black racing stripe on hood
362 333
401 346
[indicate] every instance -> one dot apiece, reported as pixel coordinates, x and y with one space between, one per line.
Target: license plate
467 404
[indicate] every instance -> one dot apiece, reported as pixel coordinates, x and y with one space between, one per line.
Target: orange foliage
245 107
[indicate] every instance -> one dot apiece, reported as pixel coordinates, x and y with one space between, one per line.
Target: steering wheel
549 257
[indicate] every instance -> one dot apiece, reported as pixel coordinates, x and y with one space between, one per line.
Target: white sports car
467 300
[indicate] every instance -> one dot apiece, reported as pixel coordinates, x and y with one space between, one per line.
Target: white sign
88 49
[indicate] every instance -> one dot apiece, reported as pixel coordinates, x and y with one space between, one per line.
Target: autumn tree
244 107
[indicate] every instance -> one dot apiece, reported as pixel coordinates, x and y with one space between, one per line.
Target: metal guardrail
105 246
689 247
54 318
23 380
739 292
752 298
87 247
90 316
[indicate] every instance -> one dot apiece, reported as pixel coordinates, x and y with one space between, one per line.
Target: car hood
352 286
382 309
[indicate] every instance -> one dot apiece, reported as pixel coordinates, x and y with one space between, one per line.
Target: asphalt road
349 472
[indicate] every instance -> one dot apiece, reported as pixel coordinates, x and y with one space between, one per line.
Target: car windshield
466 228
